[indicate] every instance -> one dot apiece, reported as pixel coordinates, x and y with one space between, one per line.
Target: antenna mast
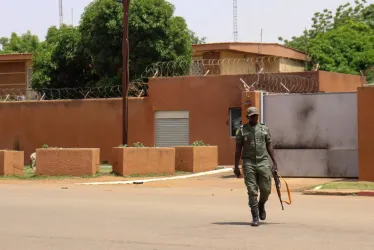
235 16
60 12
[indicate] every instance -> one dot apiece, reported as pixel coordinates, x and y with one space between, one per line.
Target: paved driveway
44 216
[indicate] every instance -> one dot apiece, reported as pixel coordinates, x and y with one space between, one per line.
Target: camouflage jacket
254 140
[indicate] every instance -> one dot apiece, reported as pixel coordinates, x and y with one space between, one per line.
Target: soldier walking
253 144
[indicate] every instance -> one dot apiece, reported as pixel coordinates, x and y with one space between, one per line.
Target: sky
212 19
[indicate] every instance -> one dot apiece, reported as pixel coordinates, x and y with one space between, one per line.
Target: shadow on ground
242 223
229 177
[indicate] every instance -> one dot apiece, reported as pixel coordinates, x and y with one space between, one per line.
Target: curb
339 193
331 193
366 193
223 170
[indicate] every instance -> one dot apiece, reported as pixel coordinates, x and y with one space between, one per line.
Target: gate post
251 99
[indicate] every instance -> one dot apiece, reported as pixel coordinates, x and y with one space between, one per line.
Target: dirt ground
208 212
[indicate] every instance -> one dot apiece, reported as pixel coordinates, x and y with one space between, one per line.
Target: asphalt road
144 217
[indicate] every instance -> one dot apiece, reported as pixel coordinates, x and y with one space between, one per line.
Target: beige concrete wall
290 65
195 58
235 63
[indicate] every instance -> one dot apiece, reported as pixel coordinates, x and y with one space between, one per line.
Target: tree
326 44
325 21
195 39
60 61
25 43
154 35
346 49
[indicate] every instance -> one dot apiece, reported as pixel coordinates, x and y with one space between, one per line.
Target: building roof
15 57
265 49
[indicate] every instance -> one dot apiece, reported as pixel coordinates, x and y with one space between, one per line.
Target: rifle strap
289 202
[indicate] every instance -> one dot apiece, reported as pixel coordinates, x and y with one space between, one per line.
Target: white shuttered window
172 128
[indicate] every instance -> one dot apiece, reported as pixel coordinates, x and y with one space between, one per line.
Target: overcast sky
208 18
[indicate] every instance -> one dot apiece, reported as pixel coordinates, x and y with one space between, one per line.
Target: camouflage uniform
256 167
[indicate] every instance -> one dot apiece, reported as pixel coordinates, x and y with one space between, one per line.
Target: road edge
365 193
142 181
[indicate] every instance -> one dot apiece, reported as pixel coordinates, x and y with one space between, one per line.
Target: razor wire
280 82
253 72
22 94
225 66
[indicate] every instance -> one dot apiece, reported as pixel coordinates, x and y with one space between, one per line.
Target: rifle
277 177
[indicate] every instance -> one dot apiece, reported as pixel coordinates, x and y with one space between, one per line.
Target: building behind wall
248 58
15 74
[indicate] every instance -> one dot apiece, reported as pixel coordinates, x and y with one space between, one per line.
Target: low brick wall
11 162
142 161
196 159
67 161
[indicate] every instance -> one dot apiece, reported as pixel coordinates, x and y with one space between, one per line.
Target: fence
18 94
225 66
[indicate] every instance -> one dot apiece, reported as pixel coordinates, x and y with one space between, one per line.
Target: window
172 128
235 120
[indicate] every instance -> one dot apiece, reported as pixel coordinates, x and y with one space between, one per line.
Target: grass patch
105 170
349 185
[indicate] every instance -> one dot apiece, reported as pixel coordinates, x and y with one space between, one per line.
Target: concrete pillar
250 99
365 102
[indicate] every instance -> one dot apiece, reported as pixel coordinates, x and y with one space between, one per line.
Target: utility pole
125 69
235 19
61 12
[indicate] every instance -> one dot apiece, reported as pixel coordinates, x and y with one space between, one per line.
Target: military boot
255 219
261 210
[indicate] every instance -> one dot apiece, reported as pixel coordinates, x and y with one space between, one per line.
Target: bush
199 143
135 145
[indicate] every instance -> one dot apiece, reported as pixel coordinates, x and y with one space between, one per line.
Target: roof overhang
263 49
15 57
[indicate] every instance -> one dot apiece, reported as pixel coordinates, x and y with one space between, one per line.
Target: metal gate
172 128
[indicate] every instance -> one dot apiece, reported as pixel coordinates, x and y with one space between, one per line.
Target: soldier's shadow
243 223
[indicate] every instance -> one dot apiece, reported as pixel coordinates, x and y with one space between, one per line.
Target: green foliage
91 54
135 145
60 62
199 143
138 145
342 42
25 43
346 49
45 146
195 39
154 35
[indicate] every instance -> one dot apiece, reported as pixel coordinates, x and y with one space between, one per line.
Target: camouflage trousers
257 178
